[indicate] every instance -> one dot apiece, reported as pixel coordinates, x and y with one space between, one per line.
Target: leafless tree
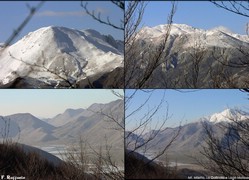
99 159
104 163
145 124
141 62
119 4
197 55
139 138
32 11
62 74
96 161
133 18
5 131
237 7
226 154
242 60
223 71
33 67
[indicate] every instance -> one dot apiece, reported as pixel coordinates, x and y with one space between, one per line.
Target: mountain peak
85 53
222 29
228 115
190 29
24 114
175 29
73 112
179 29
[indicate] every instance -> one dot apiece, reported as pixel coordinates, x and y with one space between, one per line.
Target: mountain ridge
213 53
179 29
69 53
191 136
93 126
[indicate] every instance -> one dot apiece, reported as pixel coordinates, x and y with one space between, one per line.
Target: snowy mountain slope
81 53
184 46
227 115
220 36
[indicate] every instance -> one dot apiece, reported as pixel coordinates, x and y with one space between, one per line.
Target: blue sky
188 105
48 103
199 14
59 13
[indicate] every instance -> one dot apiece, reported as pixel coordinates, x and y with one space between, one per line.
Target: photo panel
62 134
186 44
186 134
62 44
160 108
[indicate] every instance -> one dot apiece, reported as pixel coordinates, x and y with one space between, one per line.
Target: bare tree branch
97 17
32 11
237 7
140 65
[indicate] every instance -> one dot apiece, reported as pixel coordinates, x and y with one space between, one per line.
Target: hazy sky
188 105
199 14
60 13
48 103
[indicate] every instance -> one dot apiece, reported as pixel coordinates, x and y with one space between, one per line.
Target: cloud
101 10
61 13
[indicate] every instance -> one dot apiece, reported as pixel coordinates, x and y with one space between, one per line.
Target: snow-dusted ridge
219 36
82 52
226 115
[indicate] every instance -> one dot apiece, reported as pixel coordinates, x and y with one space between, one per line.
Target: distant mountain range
59 56
186 45
92 124
219 36
192 135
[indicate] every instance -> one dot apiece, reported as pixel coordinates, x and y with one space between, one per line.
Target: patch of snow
219 36
227 115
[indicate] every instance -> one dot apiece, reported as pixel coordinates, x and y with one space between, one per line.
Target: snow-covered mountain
228 115
185 46
192 136
58 54
219 37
